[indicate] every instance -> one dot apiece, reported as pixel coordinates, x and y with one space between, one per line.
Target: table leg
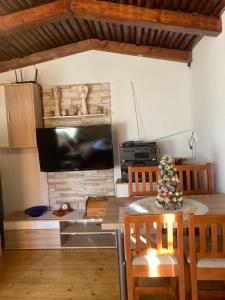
121 264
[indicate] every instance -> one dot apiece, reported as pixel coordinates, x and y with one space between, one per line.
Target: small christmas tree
169 194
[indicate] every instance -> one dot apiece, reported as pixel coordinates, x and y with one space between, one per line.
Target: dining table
112 220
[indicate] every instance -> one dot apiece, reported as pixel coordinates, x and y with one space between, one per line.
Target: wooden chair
194 179
207 252
154 248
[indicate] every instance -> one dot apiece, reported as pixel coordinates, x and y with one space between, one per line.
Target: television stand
51 232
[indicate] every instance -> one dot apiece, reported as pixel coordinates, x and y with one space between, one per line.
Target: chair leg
130 288
173 287
194 286
181 285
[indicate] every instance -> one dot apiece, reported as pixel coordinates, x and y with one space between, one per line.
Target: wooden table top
215 203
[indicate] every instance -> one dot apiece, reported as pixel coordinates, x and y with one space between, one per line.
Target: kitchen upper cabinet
20 115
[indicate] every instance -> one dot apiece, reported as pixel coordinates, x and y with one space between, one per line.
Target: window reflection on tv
75 148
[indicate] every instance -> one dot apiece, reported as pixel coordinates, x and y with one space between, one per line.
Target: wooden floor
59 275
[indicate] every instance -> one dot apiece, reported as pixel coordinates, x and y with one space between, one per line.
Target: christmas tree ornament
169 193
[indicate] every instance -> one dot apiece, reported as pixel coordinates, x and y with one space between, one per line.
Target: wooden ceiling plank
67 27
12 50
150 3
185 42
92 28
106 31
193 5
48 36
98 30
145 36
210 7
194 41
178 41
176 4
119 32
173 39
139 34
93 44
219 9
28 18
84 27
63 33
22 45
76 28
126 34
151 37
201 6
54 33
113 31
44 35
33 34
28 42
184 5
144 17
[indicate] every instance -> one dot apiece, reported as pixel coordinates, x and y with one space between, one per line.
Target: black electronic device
75 148
137 153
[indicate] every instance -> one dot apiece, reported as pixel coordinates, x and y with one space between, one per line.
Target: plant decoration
169 194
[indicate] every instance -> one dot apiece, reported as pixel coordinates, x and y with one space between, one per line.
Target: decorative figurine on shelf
83 90
78 109
56 93
169 194
99 109
63 210
72 110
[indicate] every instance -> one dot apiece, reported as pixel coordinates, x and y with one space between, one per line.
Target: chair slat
223 237
137 236
150 181
214 234
159 236
202 239
196 181
181 179
136 182
148 235
143 181
188 177
203 180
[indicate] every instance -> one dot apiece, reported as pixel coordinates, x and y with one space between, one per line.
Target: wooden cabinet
20 115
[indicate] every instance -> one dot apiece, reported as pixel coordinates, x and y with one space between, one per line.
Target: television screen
75 148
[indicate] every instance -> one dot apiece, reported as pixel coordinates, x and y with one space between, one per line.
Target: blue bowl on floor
36 211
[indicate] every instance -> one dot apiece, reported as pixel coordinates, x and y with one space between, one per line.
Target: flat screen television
75 148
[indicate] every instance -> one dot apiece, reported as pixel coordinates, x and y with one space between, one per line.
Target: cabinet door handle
8 116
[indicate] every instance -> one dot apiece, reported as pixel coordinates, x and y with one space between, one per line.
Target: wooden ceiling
35 31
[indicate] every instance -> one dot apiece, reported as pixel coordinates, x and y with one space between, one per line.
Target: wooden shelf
74 228
88 241
73 117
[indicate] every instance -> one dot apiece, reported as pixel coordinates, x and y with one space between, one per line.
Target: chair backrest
209 242
147 235
194 179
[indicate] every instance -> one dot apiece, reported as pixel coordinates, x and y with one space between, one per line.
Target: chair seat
208 262
155 260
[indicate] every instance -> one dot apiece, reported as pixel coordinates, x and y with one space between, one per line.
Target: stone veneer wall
74 187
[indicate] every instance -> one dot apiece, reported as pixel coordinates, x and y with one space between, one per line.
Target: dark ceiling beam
93 44
129 15
144 51
132 15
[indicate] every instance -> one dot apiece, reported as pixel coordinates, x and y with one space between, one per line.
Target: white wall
208 102
163 99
